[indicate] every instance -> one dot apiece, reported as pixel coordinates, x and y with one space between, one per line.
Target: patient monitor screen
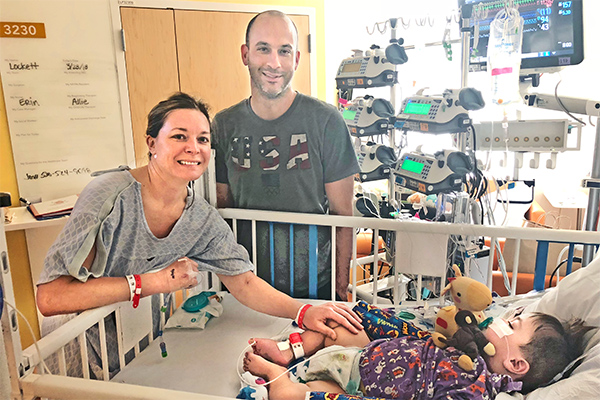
552 32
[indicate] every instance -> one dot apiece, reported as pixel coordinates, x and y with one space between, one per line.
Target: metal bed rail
32 383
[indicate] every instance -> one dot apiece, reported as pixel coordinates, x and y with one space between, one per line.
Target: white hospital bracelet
131 282
297 345
294 343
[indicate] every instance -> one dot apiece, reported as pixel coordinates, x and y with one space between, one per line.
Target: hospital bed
203 364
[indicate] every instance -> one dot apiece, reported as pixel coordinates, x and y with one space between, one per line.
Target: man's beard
256 75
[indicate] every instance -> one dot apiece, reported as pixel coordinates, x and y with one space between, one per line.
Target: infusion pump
368 116
447 113
371 69
441 172
376 161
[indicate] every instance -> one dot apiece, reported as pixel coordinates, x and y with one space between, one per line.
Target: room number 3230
23 30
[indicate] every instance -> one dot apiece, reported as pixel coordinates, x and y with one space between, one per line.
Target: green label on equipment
349 114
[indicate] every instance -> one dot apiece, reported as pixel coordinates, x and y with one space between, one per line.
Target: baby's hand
182 274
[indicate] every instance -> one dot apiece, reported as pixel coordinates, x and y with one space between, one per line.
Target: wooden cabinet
194 51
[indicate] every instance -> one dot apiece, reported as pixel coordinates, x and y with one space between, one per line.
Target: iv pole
466 12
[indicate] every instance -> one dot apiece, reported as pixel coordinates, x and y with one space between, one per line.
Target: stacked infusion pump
367 116
443 171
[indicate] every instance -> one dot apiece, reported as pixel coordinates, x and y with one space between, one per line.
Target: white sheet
203 361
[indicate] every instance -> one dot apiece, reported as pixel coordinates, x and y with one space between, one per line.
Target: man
284 151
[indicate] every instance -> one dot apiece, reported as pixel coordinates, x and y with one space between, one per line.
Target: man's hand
316 318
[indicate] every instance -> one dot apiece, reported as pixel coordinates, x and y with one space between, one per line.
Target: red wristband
138 291
300 316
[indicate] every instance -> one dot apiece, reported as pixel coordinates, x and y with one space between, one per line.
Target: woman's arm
66 294
257 294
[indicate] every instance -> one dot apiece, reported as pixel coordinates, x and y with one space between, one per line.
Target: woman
128 223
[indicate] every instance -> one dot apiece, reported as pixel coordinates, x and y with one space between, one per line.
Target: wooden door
210 62
151 62
197 52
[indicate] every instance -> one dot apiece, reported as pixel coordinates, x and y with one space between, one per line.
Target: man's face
271 55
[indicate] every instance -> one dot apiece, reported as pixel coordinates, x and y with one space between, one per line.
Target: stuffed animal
468 294
468 339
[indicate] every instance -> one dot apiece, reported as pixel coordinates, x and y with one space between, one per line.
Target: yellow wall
17 245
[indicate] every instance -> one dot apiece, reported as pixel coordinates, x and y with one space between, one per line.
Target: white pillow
577 295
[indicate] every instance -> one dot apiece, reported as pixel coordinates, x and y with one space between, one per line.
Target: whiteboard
62 96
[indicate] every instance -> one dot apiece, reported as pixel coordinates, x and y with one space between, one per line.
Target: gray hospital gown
109 212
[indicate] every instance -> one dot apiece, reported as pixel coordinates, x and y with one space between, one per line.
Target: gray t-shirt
109 212
283 165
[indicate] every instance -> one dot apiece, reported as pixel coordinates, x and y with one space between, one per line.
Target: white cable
375 212
558 261
502 265
37 348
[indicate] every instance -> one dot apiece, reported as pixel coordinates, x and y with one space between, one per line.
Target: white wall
346 29
347 25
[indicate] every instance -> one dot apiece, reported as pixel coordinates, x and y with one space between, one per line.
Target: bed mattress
203 361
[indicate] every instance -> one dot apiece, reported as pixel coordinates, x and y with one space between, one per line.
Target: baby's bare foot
259 366
267 348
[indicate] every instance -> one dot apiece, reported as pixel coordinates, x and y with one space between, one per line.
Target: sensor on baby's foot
295 343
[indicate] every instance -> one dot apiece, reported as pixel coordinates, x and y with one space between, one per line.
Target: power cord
575 259
560 103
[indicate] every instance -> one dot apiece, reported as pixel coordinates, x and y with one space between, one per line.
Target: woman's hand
257 294
316 318
182 274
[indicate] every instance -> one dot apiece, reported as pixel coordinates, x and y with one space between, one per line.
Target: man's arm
224 197
340 194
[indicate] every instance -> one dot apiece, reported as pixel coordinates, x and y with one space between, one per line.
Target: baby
530 351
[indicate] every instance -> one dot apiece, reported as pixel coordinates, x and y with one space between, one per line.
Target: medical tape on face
501 328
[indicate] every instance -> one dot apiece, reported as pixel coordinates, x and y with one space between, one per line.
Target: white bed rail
33 384
66 333
67 388
541 235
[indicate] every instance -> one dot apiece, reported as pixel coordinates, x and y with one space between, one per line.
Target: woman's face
182 147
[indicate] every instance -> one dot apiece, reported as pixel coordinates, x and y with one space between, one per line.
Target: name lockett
23 66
